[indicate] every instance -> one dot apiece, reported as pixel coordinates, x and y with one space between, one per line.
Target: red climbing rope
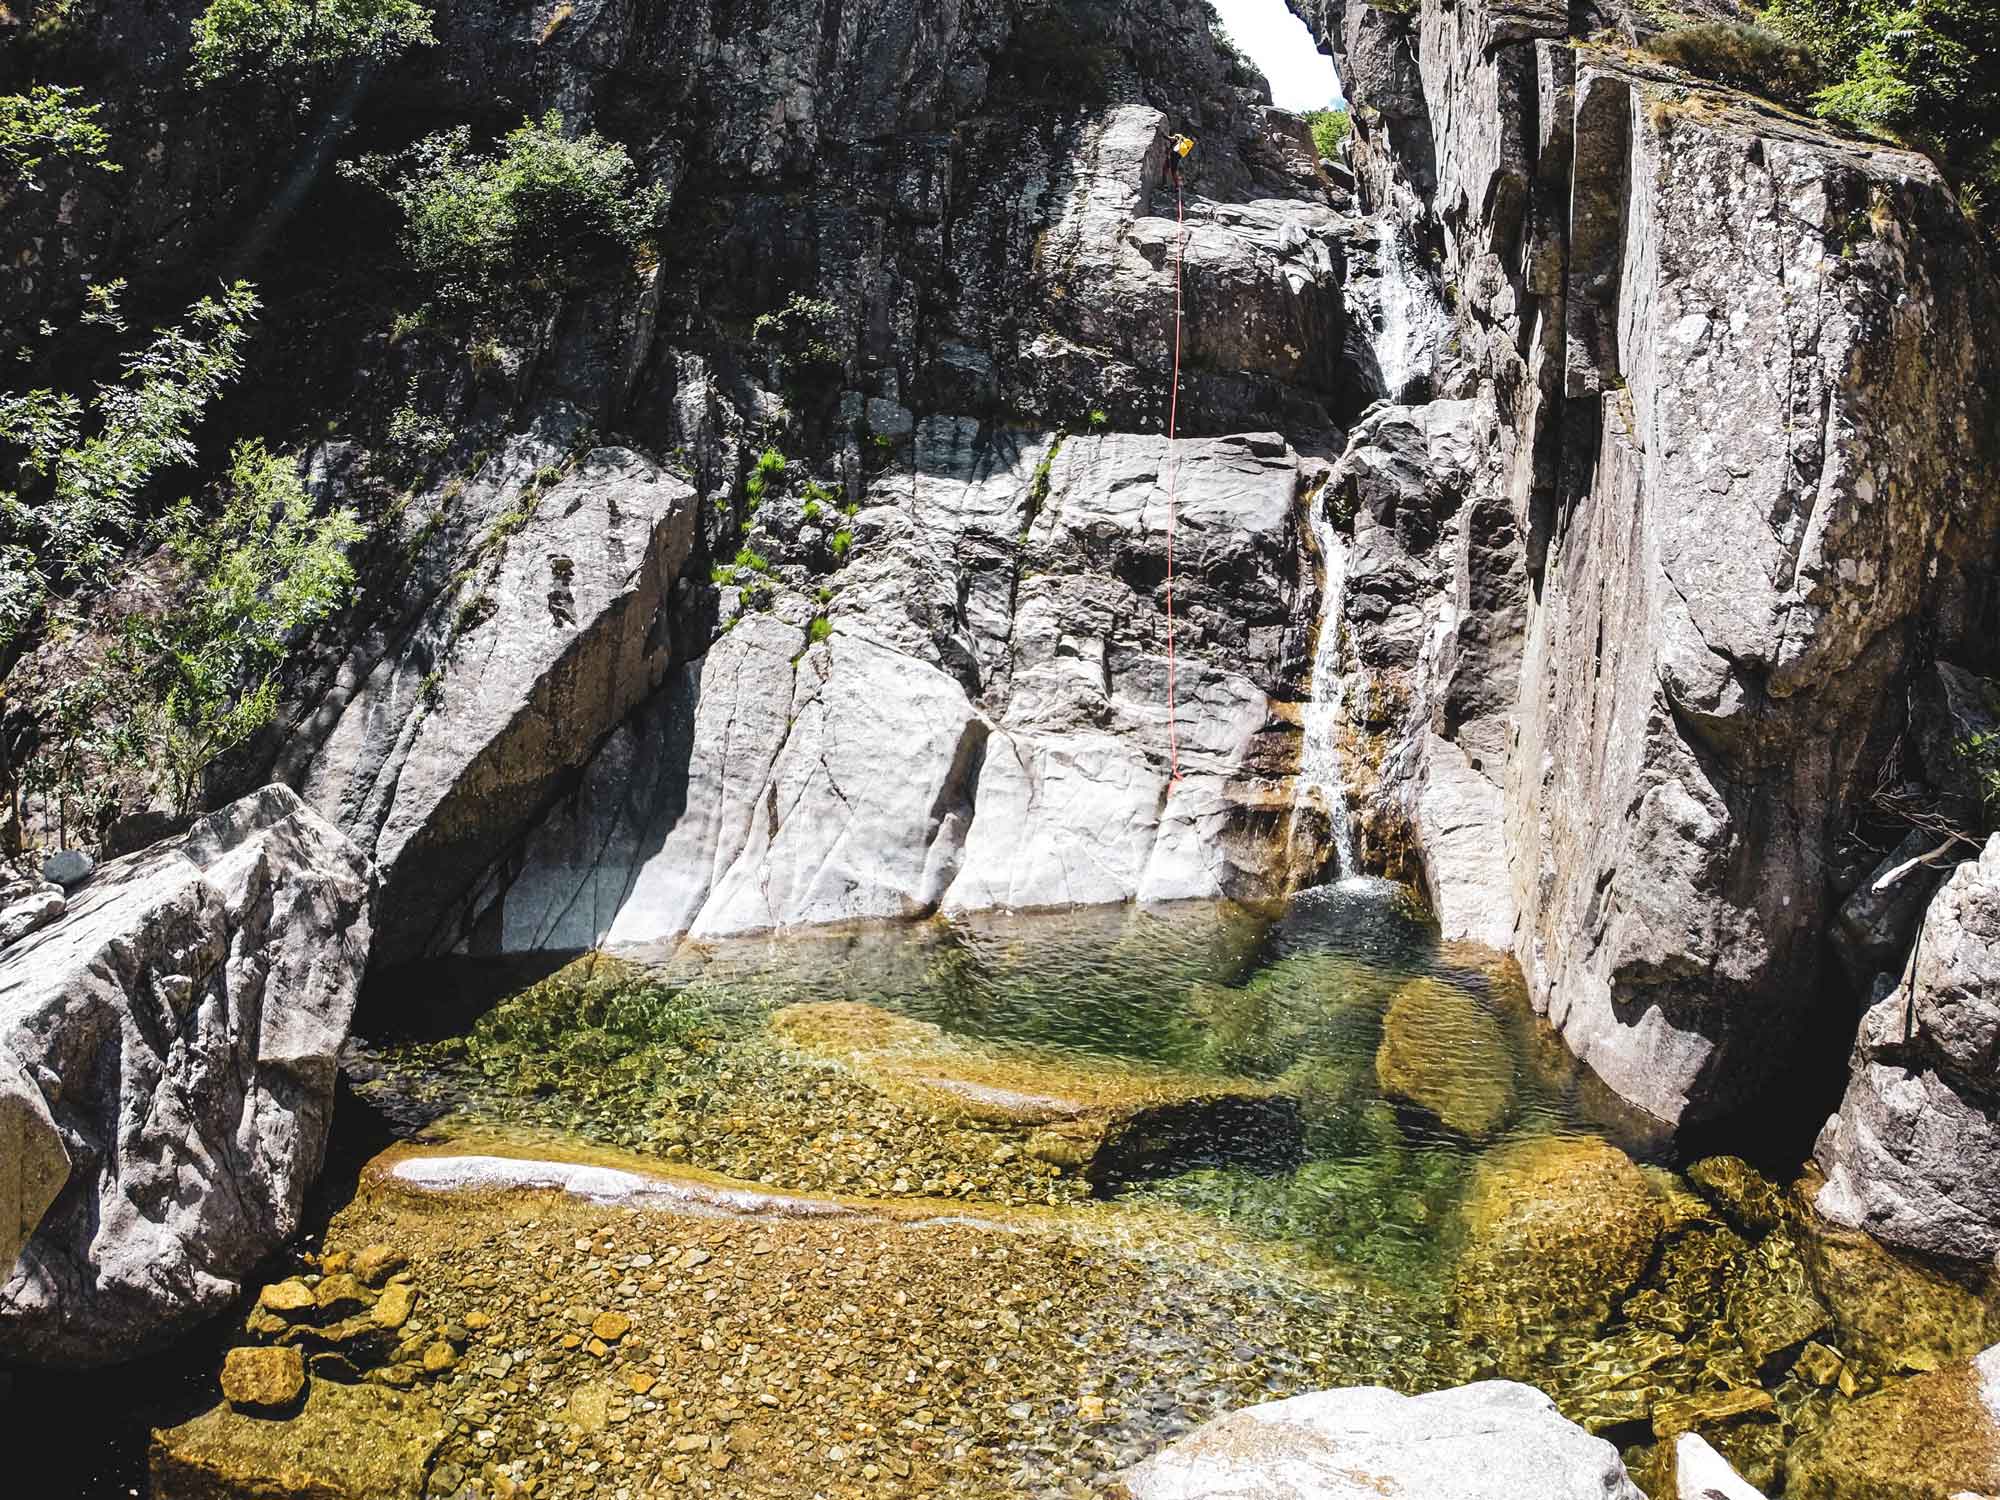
1173 482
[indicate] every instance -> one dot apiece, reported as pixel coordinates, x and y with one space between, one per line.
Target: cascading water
1413 322
1319 786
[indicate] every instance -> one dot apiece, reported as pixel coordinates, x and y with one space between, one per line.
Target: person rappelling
1178 150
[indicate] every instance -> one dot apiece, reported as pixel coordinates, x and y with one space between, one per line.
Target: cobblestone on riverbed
629 1352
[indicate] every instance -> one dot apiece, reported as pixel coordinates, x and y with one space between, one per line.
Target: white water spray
1413 321
1319 782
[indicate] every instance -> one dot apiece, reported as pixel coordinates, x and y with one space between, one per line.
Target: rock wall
1727 485
167 1066
984 723
1913 1156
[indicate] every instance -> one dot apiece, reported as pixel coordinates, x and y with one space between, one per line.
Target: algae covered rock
1747 1198
1552 1232
1929 1437
348 1442
1891 1309
1113 1122
1445 1053
263 1379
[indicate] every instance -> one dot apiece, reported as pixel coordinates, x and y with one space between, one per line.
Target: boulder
1700 1473
1689 560
1495 1440
1445 1053
263 1379
68 867
26 904
1913 1154
1110 1122
167 1064
1930 1437
1552 1232
439 748
348 1442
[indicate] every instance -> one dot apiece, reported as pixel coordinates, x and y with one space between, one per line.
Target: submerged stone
1552 1232
263 1379
1746 1197
1929 1437
348 1442
1892 1310
1445 1053
1112 1122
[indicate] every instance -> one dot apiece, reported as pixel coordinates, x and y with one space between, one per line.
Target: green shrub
813 510
284 38
771 464
48 121
1100 419
1928 72
842 540
1983 751
1329 128
202 677
819 630
801 331
542 212
1741 55
73 501
755 561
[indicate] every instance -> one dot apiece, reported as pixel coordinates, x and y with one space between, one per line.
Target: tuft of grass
1745 56
819 630
755 561
842 541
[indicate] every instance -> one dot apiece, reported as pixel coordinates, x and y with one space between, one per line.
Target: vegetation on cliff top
1923 71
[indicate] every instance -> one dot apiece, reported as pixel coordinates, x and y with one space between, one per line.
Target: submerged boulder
166 1076
1931 1437
1913 1155
1495 1440
1443 1052
1112 1122
1553 1231
348 1442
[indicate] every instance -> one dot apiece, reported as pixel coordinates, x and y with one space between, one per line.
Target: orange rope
1173 482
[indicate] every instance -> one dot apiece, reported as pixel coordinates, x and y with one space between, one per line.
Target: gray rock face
1913 1155
1730 473
437 747
1495 1440
985 723
166 1077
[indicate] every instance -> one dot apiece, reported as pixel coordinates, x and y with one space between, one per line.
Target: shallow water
1355 1156
1402 1148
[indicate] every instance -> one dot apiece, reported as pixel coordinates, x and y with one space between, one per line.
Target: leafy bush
73 502
801 331
1059 56
1329 128
1928 71
48 121
1745 56
284 38
541 212
201 678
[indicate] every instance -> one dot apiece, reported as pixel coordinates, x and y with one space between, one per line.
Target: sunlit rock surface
1492 1441
167 1073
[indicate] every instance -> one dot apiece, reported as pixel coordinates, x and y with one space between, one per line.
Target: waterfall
1319 781
1412 323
